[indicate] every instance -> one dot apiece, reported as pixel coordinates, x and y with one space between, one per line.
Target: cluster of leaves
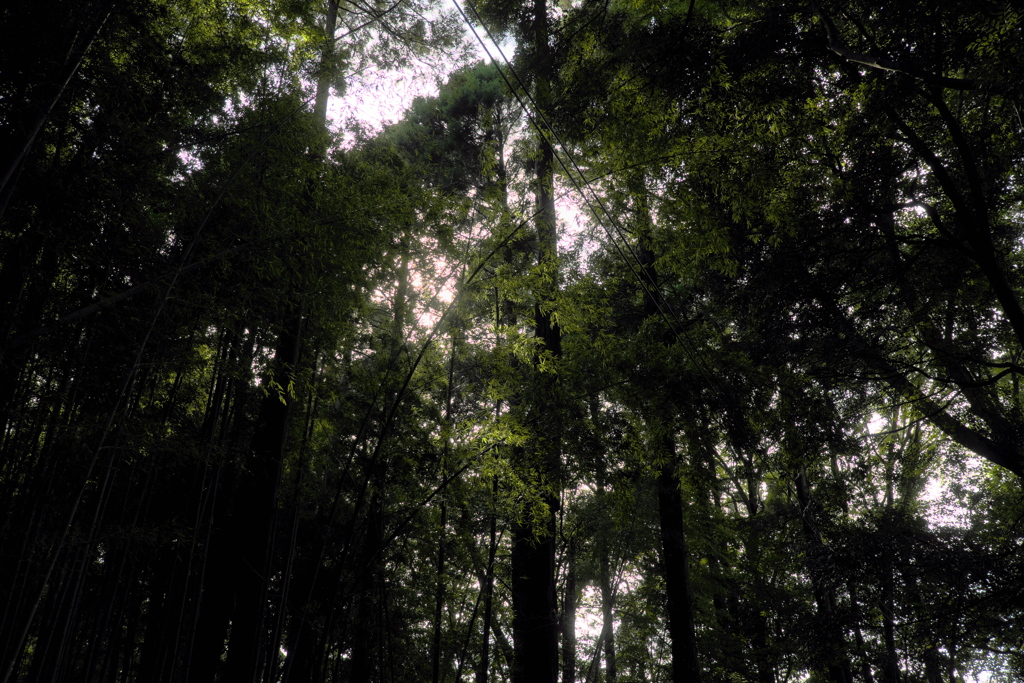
242 437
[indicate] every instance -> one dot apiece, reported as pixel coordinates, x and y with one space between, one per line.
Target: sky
383 97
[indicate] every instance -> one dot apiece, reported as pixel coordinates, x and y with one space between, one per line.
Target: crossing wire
543 127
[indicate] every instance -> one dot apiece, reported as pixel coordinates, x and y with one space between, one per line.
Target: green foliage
216 320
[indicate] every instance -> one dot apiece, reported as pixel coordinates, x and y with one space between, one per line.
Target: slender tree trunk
676 569
441 544
865 668
217 566
215 610
932 665
153 654
487 588
834 657
435 649
764 656
891 667
304 661
305 630
535 624
16 155
255 514
323 85
607 591
675 552
569 616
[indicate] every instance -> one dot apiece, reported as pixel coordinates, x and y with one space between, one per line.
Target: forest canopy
674 341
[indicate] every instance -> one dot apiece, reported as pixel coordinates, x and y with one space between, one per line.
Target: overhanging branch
908 68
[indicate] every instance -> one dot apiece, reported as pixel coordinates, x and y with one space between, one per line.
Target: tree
279 403
147 370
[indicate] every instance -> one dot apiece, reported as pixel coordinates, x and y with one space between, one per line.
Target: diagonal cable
540 123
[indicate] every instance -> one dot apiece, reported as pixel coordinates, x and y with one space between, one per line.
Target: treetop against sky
680 343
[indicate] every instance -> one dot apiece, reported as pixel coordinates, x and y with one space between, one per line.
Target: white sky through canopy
376 100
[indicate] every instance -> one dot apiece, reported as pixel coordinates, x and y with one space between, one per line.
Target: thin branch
907 68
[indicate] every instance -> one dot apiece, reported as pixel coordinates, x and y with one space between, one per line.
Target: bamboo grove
681 341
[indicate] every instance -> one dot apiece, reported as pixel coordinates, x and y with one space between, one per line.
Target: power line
650 288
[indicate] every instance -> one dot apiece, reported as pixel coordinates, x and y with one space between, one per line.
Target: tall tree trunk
323 85
535 621
607 588
441 545
368 625
932 665
675 552
569 616
255 514
368 653
891 667
435 648
676 569
217 566
15 156
487 582
763 655
865 667
487 588
833 656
